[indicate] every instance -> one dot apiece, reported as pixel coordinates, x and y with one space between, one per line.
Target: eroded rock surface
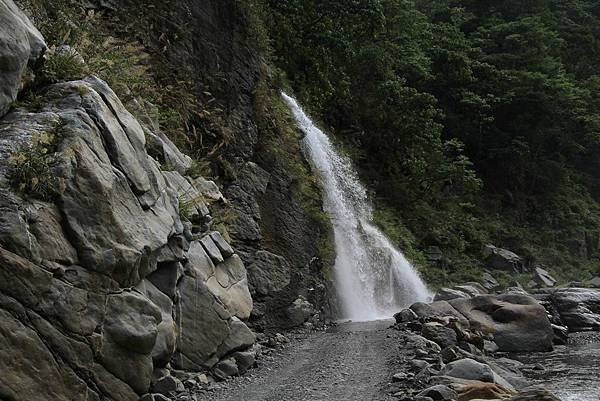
110 280
579 308
21 44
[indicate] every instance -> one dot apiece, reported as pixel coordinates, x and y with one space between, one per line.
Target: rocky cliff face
21 46
109 269
111 272
275 235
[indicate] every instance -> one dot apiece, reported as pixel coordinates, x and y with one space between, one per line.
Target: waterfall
373 278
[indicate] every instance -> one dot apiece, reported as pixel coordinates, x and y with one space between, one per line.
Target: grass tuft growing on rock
63 66
31 168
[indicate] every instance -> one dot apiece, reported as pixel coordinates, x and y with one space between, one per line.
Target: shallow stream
572 372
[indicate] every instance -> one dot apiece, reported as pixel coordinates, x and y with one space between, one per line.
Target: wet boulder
579 308
469 369
405 316
473 389
438 311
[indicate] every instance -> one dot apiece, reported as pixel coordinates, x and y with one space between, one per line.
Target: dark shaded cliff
251 145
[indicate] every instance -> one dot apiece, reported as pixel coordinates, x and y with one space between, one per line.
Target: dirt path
351 362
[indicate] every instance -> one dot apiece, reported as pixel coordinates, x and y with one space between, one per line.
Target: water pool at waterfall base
571 372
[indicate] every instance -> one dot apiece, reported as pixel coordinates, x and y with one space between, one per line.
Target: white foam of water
373 278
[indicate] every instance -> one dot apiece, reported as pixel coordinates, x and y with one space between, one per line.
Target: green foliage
472 121
31 168
64 66
185 207
134 61
223 218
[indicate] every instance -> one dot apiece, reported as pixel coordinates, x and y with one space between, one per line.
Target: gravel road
353 361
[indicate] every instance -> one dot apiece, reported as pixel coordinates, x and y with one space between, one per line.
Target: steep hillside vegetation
195 71
472 122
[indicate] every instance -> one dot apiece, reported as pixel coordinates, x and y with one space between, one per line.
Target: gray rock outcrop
517 322
579 308
107 282
543 278
470 369
21 45
502 259
467 290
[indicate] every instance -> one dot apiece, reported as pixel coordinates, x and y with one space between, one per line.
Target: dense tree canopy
471 120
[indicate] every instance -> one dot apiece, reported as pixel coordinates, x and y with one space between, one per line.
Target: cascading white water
373 278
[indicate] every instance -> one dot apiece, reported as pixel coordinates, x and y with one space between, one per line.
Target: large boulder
470 369
164 346
473 389
502 259
439 392
518 322
21 44
508 370
226 280
439 334
211 300
268 273
129 335
579 308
